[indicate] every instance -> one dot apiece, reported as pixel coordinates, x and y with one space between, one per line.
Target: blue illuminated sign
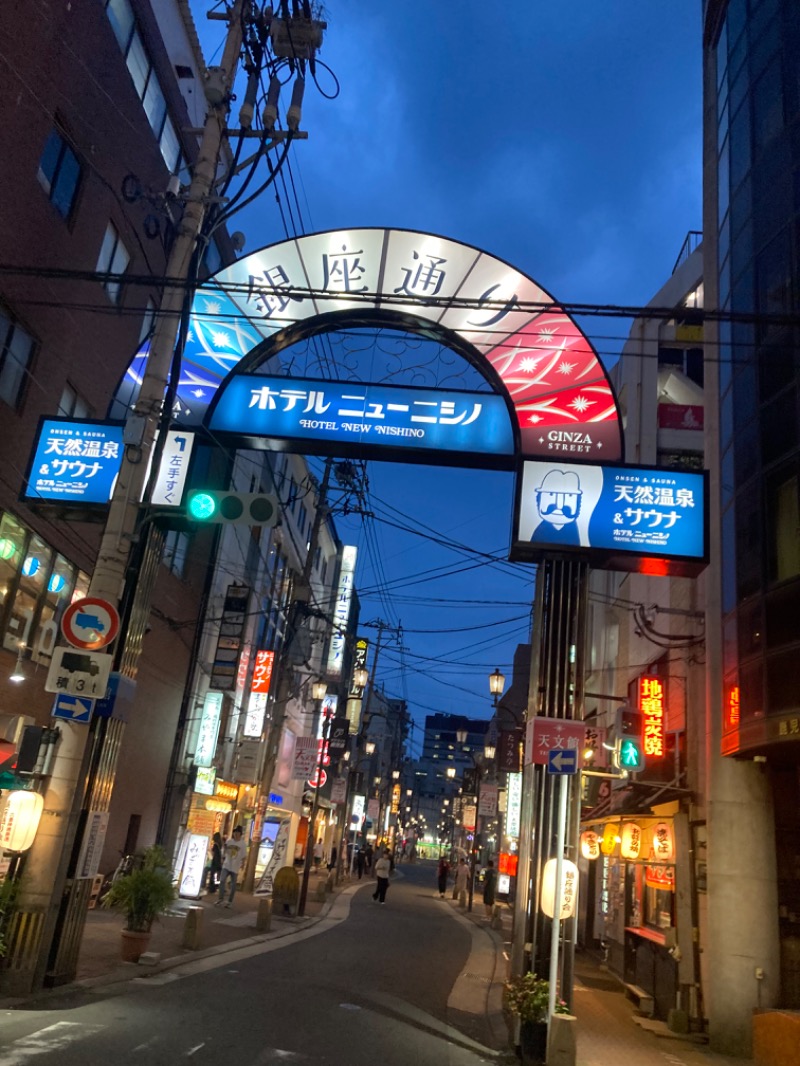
647 512
342 412
76 462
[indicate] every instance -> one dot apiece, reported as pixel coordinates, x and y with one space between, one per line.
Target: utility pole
51 860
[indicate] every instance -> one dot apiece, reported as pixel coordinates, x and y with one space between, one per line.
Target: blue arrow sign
562 761
73 708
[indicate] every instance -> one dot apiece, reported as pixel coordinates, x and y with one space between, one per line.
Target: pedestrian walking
360 863
368 856
442 873
332 859
382 871
461 879
214 868
489 887
233 854
319 852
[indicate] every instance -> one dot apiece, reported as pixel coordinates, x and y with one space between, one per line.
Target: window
176 547
16 350
145 81
59 173
113 259
71 405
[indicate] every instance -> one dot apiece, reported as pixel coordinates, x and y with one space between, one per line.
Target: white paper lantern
569 888
631 844
590 844
20 820
663 842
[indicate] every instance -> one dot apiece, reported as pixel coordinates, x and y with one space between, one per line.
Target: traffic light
210 506
629 749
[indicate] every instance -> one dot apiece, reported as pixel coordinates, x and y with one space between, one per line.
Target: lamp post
318 692
497 683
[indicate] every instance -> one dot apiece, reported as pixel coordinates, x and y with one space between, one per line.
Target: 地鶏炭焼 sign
341 610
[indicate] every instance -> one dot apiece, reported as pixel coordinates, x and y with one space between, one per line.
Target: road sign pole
561 830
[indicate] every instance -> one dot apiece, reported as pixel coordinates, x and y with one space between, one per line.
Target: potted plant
525 1002
143 894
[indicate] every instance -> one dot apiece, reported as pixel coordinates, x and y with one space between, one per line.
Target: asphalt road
371 985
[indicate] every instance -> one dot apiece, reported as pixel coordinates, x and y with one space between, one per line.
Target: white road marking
193 1050
52 1038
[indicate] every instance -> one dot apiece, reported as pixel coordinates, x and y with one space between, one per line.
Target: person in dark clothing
214 868
360 863
442 873
489 887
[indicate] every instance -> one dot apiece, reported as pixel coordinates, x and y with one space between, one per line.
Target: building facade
751 160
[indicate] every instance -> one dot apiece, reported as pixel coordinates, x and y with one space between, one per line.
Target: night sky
564 138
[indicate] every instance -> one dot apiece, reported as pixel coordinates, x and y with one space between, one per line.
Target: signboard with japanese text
225 667
205 780
206 744
306 754
341 611
355 692
194 863
339 790
94 836
544 735
173 469
74 461
79 673
513 805
340 418
652 700
650 519
259 690
487 800
498 318
262 671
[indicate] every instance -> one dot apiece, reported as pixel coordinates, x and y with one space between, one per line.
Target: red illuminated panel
651 707
507 863
262 671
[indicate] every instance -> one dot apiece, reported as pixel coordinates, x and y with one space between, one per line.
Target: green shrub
144 893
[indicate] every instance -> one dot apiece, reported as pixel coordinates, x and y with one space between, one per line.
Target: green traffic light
630 755
202 506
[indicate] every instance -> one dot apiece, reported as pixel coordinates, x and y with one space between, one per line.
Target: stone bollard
321 889
264 915
497 917
562 1046
462 899
192 929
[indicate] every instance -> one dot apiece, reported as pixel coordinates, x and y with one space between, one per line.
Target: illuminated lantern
663 843
7 548
631 842
610 839
590 844
20 820
569 888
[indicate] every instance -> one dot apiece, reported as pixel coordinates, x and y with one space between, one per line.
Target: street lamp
497 683
360 677
450 772
319 690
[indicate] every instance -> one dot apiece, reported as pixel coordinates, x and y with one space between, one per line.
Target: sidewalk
100 961
610 1030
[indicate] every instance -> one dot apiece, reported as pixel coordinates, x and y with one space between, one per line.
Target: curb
142 973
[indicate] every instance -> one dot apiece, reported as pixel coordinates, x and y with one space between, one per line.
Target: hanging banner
513 805
206 745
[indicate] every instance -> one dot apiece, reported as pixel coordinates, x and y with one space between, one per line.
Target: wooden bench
643 1000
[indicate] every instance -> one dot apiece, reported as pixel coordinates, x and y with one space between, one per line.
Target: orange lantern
663 842
610 838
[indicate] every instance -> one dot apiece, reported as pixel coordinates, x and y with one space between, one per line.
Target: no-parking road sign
90 623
